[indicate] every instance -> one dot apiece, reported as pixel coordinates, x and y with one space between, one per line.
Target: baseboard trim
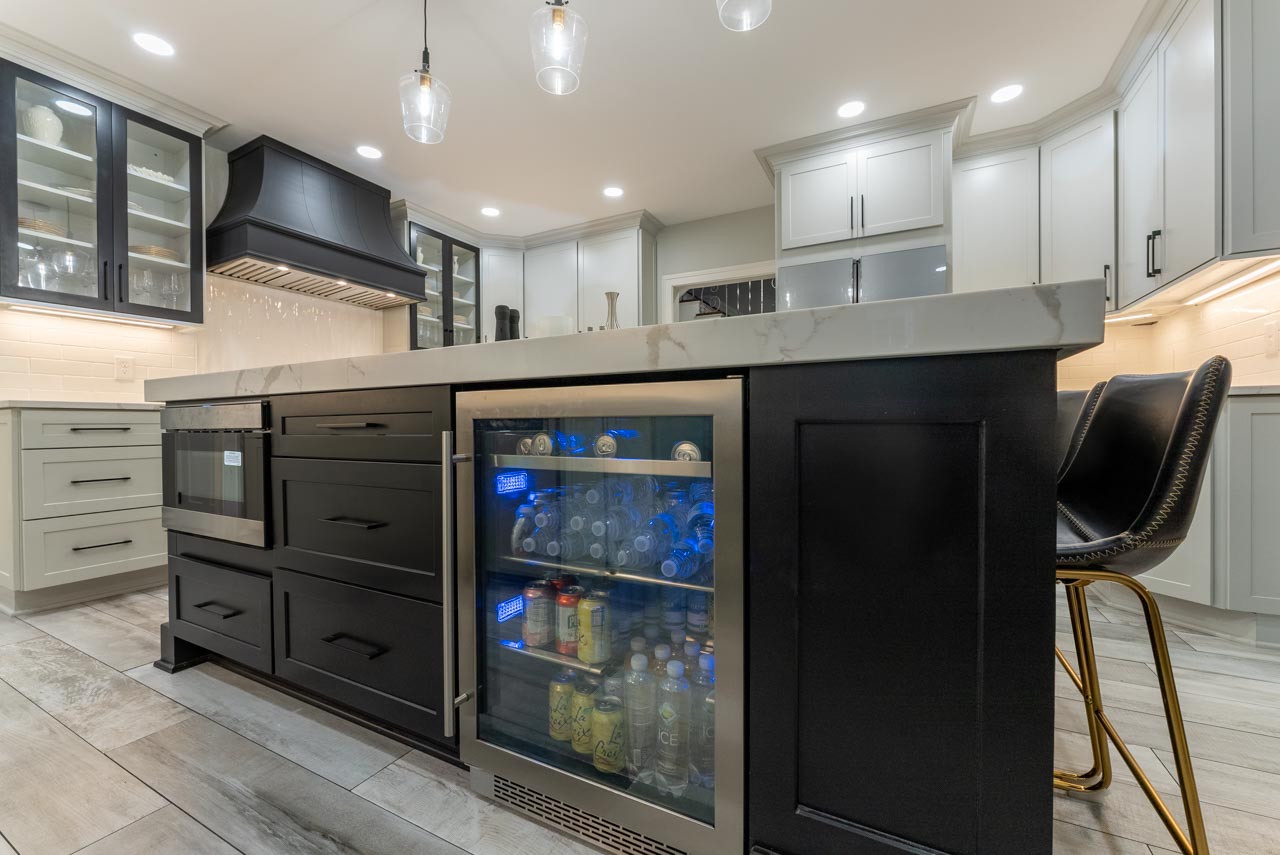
18 603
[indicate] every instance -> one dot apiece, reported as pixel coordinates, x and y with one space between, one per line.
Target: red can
539 628
561 581
567 620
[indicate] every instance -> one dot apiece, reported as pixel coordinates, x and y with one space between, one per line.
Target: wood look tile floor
102 754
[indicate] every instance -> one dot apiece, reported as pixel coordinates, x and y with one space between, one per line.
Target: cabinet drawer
61 481
380 653
392 424
371 524
224 610
89 428
71 549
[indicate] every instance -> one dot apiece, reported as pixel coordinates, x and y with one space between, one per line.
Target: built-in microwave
215 470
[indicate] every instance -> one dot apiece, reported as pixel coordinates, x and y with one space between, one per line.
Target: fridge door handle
446 583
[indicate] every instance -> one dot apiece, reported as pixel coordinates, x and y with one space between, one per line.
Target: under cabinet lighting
86 316
1120 318
153 44
1232 284
1006 93
283 268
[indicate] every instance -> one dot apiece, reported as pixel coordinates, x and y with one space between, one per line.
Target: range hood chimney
294 222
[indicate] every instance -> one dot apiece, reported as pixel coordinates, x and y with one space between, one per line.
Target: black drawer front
224 610
390 424
379 653
371 524
237 556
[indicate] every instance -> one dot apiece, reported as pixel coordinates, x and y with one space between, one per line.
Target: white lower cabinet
72 549
996 221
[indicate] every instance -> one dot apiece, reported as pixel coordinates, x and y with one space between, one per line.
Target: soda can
685 450
524 445
539 628
561 719
567 620
606 445
595 629
608 736
544 444
581 708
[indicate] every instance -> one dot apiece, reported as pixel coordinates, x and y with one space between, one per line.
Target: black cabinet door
159 219
55 192
900 606
451 312
376 424
221 609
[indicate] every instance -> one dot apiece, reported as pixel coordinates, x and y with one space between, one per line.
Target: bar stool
1125 502
1075 408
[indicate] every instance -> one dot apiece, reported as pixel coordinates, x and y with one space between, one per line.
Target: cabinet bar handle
217 609
106 276
119 279
91 429
101 545
367 525
349 425
1106 284
853 217
862 212
1150 239
101 480
354 645
446 581
1155 271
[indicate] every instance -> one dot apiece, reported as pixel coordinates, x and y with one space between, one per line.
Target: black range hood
294 222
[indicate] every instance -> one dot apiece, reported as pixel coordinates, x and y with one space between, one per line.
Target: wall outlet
126 368
1272 335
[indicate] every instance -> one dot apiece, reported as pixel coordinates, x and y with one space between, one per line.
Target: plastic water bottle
683 561
638 645
522 528
661 656
584 517
676 503
536 543
702 725
598 550
596 494
700 529
697 613
616 524
633 559
674 607
701 491
658 534
692 654
639 701
671 771
570 546
548 514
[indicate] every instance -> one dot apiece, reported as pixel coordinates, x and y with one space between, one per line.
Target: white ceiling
671 105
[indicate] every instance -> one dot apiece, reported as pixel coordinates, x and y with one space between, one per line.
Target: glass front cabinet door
450 313
96 203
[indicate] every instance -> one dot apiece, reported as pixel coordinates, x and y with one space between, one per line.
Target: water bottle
598 550
702 725
547 513
671 771
522 528
700 529
596 494
683 561
701 491
661 657
585 517
658 534
617 524
692 654
644 488
676 503
570 546
638 645
674 606
633 559
639 702
536 543
697 613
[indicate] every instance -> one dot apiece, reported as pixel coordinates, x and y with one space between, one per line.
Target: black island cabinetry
897 614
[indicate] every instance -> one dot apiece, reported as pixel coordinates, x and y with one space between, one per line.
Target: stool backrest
1142 457
1075 408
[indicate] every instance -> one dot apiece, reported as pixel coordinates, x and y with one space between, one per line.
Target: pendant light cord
426 56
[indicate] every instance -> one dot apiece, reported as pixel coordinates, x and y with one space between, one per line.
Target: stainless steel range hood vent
294 222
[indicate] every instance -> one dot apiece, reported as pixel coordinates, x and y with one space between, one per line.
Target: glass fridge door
599 571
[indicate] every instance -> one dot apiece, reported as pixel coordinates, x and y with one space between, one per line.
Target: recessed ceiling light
613 192
153 44
490 212
282 267
1006 93
368 151
849 109
72 107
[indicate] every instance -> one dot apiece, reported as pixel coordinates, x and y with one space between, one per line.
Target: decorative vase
611 322
43 124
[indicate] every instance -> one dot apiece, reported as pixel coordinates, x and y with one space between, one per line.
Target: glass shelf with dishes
448 315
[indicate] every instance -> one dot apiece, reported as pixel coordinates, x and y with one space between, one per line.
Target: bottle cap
637 644
707 662
691 649
639 662
669 568
675 669
662 651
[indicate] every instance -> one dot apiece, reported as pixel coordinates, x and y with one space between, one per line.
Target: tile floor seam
379 772
121 828
1108 703
1098 831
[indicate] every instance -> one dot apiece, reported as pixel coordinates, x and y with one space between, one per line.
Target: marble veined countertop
74 405
1065 317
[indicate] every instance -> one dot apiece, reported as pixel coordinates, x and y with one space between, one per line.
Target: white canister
43 124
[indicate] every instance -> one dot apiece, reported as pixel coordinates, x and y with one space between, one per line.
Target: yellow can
583 703
608 734
595 629
561 727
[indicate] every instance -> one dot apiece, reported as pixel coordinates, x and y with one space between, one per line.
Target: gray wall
722 241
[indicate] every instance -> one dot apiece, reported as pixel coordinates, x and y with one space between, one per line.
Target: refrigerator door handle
446 583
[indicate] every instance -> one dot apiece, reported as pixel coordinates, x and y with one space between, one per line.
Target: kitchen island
882 619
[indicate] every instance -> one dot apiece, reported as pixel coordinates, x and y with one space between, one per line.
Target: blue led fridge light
507 609
511 482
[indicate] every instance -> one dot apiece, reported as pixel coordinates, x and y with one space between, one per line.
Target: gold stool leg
1098 777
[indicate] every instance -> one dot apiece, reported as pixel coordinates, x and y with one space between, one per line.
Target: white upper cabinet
899 184
502 272
1188 58
995 202
1078 204
609 262
817 200
1252 123
1141 186
551 289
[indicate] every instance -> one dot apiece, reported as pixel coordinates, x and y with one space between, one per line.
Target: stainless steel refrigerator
594 523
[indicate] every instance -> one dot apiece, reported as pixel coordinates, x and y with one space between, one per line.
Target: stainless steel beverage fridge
600 609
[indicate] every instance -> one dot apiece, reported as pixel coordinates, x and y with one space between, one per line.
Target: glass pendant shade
558 38
743 15
424 105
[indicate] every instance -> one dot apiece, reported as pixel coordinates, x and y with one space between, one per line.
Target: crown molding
404 210
641 219
31 52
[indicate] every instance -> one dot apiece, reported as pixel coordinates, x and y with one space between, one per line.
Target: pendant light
558 38
424 98
743 15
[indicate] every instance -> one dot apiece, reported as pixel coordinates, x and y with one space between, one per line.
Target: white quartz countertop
1064 317
75 405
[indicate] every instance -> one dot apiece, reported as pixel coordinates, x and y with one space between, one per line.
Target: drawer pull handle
218 610
101 545
354 645
101 480
367 525
349 425
90 429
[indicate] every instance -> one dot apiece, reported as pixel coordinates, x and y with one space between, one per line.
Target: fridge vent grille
263 273
607 835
